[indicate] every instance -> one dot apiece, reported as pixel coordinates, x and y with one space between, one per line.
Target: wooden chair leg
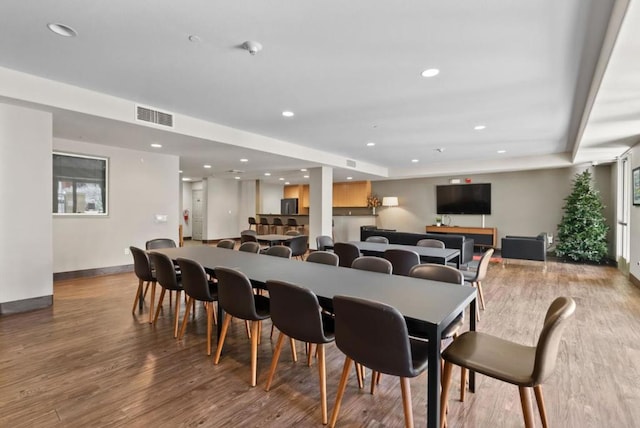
185 318
481 294
152 302
322 373
374 375
294 356
255 325
309 354
540 400
446 385
215 313
527 408
463 383
406 402
246 326
359 375
176 315
160 302
223 334
209 307
341 387
138 297
274 360
146 288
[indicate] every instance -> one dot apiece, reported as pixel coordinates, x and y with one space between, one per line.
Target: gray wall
523 203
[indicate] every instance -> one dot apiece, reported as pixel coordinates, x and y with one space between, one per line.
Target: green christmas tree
582 233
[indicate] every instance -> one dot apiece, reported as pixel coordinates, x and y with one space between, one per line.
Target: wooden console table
482 236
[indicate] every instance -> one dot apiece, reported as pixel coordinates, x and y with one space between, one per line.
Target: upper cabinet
345 195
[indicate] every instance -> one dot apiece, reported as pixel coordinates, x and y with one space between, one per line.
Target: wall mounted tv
464 198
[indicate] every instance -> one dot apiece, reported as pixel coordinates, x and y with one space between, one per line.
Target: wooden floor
87 362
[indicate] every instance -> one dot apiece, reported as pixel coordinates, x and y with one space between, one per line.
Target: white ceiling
529 71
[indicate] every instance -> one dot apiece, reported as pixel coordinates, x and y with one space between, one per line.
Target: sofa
525 247
458 242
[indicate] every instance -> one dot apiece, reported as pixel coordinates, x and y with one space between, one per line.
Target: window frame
75 181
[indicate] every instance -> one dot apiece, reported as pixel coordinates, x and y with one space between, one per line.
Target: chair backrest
555 321
279 251
292 222
373 334
264 221
249 247
402 260
483 265
437 272
248 236
226 243
235 293
292 233
277 221
373 264
433 243
165 271
154 244
295 311
252 221
346 252
378 239
323 241
323 257
141 264
298 245
194 280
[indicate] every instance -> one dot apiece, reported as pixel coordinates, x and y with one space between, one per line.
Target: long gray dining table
433 303
427 254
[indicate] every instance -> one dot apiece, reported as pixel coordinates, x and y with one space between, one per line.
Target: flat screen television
464 198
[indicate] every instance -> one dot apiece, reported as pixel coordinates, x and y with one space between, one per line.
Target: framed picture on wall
636 186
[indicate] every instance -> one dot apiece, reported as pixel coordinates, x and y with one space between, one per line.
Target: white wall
523 203
634 221
247 207
141 184
25 211
270 195
223 202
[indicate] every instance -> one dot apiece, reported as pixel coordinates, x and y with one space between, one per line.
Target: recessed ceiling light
286 182
244 160
371 144
180 171
268 174
236 177
479 127
349 178
156 145
288 113
281 178
207 166
195 39
305 176
62 30
502 151
303 169
186 179
415 160
430 72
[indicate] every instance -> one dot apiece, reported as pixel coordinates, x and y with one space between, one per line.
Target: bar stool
264 222
277 223
253 222
292 224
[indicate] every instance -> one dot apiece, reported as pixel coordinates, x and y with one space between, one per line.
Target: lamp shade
390 201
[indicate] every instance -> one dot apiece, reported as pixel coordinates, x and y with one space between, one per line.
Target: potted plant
438 220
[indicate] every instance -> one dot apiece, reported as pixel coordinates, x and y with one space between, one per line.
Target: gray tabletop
430 254
273 238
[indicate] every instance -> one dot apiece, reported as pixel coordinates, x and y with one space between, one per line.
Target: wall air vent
351 163
146 114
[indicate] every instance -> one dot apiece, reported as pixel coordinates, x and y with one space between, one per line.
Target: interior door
197 206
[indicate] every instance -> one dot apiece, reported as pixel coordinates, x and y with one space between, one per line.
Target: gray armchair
525 247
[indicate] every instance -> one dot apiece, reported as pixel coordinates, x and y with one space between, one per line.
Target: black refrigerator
289 206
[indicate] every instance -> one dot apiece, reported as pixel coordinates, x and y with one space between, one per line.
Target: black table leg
472 327
433 381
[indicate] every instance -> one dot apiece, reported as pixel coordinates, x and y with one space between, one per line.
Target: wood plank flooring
88 362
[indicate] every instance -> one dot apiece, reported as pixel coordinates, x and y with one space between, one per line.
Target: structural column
320 203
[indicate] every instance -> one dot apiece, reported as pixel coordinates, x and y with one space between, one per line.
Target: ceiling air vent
145 114
351 163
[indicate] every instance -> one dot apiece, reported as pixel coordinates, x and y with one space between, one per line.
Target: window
79 184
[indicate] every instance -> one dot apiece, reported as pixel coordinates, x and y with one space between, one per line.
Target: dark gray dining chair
168 279
249 247
229 244
248 236
236 297
295 311
373 264
346 252
476 277
323 241
323 257
299 246
387 348
402 260
432 243
378 239
142 269
279 251
524 366
155 244
197 287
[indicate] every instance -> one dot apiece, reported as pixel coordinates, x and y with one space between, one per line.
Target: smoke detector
252 47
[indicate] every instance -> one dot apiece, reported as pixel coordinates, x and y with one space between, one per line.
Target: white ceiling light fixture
268 174
479 127
502 151
180 171
252 46
207 166
287 183
371 144
415 160
305 176
349 178
288 113
430 72
281 178
156 145
244 160
186 179
62 30
303 169
236 177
